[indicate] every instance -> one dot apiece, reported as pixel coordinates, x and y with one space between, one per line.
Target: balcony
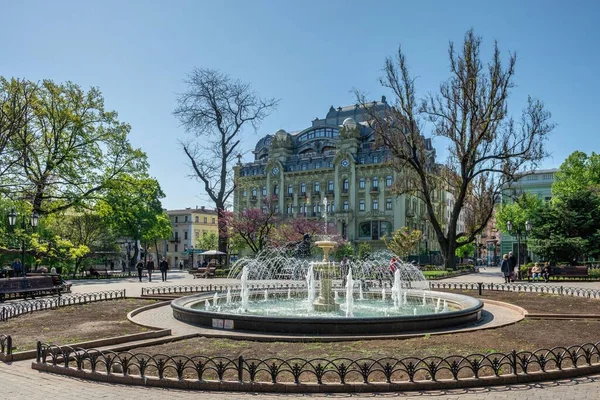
290 195
344 192
330 193
253 198
375 189
317 194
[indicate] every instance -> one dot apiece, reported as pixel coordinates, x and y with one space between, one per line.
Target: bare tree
216 109
487 148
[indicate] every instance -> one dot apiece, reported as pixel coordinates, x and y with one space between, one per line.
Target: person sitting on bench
536 272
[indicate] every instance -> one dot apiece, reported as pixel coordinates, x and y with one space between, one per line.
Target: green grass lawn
434 274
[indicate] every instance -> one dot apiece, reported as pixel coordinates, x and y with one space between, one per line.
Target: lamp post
34 219
426 239
519 233
192 264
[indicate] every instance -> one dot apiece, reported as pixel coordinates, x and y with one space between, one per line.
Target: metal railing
12 310
321 371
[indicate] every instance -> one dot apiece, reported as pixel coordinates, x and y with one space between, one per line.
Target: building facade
188 225
335 157
538 184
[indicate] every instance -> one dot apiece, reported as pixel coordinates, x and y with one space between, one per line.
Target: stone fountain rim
476 305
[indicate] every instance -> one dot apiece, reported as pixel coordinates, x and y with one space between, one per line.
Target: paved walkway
19 381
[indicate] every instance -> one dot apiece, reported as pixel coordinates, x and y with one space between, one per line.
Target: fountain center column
325 302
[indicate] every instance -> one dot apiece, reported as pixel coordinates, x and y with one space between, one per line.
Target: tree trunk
222 229
156 247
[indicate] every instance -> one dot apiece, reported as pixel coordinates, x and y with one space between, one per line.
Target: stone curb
354 387
135 312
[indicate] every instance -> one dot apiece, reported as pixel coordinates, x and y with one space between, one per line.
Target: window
264 191
303 167
361 205
361 160
317 165
176 235
375 159
167 247
276 190
375 204
375 182
197 234
185 235
176 250
330 186
254 192
303 188
388 204
185 218
317 187
388 181
361 183
290 189
197 219
205 220
346 205
213 220
345 185
176 219
330 164
374 230
276 209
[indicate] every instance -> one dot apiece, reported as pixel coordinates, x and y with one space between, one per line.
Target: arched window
346 185
276 190
303 188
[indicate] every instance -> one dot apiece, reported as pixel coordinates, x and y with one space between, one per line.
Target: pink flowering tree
253 226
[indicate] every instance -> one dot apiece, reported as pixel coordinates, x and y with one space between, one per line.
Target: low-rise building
188 225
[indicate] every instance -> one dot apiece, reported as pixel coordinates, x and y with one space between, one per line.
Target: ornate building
335 157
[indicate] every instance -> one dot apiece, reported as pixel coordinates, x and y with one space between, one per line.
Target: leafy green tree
578 172
208 241
68 148
132 208
568 228
522 209
157 228
403 241
465 250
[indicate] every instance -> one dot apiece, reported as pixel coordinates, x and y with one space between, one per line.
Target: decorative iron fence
184 289
320 371
11 310
512 287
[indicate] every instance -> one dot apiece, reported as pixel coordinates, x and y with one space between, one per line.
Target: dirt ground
540 302
72 324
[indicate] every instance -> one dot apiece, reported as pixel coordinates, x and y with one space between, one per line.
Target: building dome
264 142
281 133
349 123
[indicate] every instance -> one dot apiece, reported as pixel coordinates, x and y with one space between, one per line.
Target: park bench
565 271
204 272
31 285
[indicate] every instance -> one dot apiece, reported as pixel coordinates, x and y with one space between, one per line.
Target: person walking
150 268
505 268
140 269
344 269
164 267
17 267
512 263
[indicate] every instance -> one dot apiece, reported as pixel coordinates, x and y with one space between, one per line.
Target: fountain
311 300
326 300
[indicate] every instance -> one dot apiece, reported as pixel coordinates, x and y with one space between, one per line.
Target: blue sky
310 54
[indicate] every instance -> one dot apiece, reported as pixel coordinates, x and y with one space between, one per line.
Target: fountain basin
463 310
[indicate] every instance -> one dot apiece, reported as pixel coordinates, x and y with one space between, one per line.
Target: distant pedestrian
164 267
140 269
505 268
512 263
150 268
344 265
17 267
